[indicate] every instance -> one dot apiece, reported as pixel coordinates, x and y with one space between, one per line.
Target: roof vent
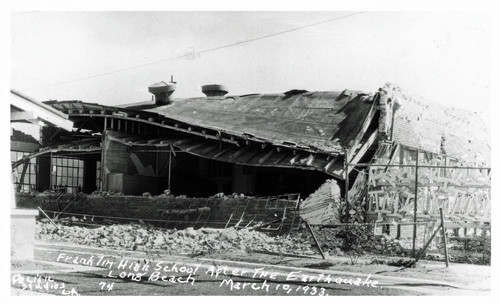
162 92
212 90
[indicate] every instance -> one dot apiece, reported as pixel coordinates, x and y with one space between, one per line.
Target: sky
442 56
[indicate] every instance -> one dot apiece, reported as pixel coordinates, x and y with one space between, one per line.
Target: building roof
318 127
327 121
27 109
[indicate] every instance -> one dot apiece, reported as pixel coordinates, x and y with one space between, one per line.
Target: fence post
346 168
315 240
415 204
444 237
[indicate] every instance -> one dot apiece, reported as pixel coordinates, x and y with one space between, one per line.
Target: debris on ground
139 237
331 242
399 262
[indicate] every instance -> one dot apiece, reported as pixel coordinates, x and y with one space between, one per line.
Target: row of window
67 173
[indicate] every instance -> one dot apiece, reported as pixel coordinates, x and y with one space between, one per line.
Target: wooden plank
183 141
393 155
191 148
264 158
315 240
252 156
364 128
280 159
22 116
238 153
209 149
294 159
21 180
222 152
156 140
363 149
330 163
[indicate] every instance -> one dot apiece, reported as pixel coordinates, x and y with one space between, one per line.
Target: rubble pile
383 244
144 238
332 244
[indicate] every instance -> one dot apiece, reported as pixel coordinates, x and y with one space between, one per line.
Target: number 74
108 286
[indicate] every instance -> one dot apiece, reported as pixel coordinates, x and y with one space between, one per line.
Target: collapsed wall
323 206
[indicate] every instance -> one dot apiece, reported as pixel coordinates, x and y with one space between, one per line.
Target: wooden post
169 165
415 205
444 238
228 221
315 240
346 168
51 221
104 182
23 173
427 245
50 165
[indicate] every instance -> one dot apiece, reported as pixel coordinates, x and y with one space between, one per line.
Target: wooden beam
222 152
156 141
42 112
252 156
280 159
22 116
23 173
54 135
361 133
238 153
393 155
82 125
195 146
183 141
294 159
330 163
310 159
363 149
209 149
265 157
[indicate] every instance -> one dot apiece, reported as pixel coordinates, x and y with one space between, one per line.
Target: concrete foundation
22 233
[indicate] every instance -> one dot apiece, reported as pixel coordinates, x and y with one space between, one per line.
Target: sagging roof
327 121
250 155
321 124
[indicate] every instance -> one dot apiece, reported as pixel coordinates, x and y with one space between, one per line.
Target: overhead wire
23 13
200 52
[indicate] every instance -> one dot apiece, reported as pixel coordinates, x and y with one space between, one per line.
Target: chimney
212 90
162 92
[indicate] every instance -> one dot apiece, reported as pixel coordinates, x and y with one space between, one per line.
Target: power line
201 52
24 13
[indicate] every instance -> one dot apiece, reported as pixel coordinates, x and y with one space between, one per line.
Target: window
98 175
29 181
67 173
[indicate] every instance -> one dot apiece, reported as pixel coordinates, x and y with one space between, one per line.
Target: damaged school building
292 152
